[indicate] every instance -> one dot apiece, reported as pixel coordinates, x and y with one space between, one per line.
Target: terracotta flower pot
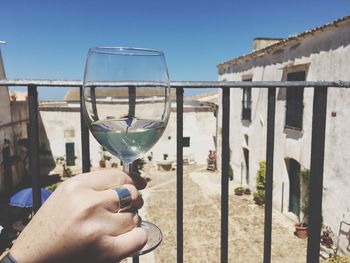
102 163
301 230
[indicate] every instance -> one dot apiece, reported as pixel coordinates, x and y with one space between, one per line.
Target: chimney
263 42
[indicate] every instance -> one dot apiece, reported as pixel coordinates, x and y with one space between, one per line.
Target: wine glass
126 103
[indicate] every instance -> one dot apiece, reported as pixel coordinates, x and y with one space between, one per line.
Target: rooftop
74 94
288 40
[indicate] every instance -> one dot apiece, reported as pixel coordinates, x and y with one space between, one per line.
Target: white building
61 124
322 53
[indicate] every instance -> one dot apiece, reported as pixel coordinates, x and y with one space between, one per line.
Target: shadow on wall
15 170
47 161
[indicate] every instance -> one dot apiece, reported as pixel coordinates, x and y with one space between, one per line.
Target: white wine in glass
126 103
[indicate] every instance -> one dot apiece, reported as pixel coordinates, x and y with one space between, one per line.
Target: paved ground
202 222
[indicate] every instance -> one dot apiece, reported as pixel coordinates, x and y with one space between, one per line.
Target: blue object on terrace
24 198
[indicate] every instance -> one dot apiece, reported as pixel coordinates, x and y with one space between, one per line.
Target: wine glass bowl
126 103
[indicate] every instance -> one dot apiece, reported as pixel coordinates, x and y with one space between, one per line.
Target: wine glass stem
128 168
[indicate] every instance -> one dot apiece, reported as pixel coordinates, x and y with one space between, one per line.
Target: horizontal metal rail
182 84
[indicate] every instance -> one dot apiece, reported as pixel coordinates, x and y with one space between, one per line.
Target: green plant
140 163
305 202
239 190
230 170
247 191
67 172
259 195
51 187
104 155
61 161
338 259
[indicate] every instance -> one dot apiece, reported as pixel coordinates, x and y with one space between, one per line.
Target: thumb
128 243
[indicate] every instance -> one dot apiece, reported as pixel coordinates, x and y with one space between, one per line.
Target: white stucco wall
326 56
199 126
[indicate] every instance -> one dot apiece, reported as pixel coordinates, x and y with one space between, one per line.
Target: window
295 102
186 141
247 103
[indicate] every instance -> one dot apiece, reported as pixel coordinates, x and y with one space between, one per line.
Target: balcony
316 166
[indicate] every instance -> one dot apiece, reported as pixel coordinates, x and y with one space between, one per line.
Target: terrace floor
202 221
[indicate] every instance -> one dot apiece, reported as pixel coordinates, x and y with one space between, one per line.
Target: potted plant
61 161
301 229
230 170
339 259
326 237
104 158
13 97
239 190
259 195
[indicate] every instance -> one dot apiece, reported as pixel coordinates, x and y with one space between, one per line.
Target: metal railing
317 151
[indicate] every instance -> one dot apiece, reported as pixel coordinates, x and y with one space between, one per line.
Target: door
246 160
294 186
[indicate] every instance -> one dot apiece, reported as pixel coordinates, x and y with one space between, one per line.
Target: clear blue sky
50 38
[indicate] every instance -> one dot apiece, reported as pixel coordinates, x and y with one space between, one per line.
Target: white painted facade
324 53
61 123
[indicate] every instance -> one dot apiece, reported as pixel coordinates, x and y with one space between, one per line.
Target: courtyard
202 221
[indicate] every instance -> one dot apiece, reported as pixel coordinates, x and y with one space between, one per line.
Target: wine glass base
154 235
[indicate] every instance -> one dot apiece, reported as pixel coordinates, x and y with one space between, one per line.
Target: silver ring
124 197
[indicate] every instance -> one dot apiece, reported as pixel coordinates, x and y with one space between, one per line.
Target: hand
79 223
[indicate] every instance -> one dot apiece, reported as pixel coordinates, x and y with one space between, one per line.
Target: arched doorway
293 168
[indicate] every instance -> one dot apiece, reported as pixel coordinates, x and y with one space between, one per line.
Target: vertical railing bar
179 173
85 143
316 173
93 102
131 115
224 172
270 139
33 135
132 101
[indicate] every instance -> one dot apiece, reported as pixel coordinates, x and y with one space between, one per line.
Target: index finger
107 178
